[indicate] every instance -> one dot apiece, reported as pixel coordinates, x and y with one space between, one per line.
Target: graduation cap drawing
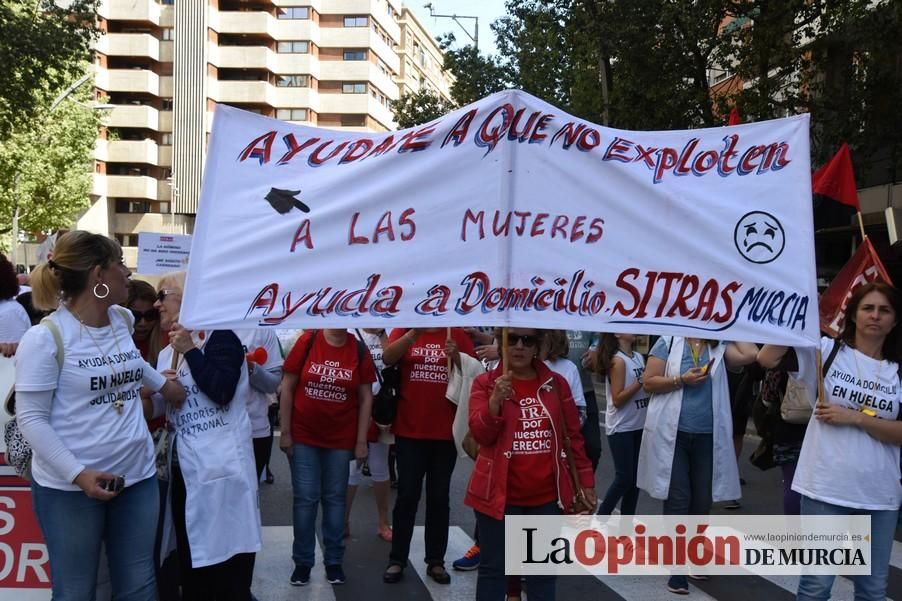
284 200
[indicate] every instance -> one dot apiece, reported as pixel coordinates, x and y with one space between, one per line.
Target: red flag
862 268
836 179
735 118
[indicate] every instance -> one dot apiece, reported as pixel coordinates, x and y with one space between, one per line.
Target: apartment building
164 65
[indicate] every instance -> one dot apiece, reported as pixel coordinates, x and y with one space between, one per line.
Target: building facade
164 65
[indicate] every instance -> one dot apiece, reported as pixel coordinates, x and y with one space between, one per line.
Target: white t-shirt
844 465
631 415
258 402
570 372
373 343
14 321
85 430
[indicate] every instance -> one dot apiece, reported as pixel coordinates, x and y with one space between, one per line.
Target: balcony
296 29
255 92
345 37
129 44
129 80
128 186
255 22
130 115
138 222
293 97
165 156
133 151
166 51
346 70
143 10
166 86
296 63
243 57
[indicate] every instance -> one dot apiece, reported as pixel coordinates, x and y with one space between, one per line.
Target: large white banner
507 212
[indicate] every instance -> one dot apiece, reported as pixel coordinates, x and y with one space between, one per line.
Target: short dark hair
9 283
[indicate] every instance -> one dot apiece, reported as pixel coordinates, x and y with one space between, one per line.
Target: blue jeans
74 526
318 476
625 453
491 584
867 588
690 480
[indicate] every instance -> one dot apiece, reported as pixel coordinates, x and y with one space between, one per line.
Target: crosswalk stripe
463 584
273 567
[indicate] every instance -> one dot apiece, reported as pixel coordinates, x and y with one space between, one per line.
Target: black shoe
335 574
300 576
439 574
732 505
389 576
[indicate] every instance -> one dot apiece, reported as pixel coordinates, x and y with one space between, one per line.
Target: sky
486 10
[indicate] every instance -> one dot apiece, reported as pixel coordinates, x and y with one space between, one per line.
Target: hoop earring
106 290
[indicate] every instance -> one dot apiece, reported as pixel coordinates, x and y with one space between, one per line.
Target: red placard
24 563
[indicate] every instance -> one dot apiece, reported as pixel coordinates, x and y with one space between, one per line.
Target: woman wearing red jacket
518 419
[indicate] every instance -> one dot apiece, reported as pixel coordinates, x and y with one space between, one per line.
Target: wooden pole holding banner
504 350
450 362
821 392
175 356
861 225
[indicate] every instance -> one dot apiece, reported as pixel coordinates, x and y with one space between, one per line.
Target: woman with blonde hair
79 406
213 506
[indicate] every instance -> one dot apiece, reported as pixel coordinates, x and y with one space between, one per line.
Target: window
356 21
127 239
353 88
167 34
132 206
357 54
294 47
292 81
291 114
294 12
167 104
353 120
166 140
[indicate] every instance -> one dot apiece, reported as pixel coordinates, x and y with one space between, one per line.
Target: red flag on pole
836 179
864 267
735 118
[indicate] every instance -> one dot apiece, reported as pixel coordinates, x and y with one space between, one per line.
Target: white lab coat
216 457
660 432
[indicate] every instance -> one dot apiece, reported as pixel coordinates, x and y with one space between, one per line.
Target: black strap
836 346
361 348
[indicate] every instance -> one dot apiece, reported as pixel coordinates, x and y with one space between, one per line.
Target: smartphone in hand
708 366
114 486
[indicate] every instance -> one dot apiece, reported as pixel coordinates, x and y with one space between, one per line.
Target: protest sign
864 267
507 212
162 253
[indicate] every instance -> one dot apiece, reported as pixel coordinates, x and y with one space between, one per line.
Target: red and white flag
864 267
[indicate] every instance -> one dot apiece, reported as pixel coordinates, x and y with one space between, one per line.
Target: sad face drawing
759 237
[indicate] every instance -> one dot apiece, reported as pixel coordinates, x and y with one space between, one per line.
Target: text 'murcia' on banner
507 212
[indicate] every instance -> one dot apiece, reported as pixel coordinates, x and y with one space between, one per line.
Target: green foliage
46 164
419 107
476 75
44 48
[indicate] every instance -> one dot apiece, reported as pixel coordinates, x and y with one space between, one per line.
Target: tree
422 106
476 75
44 48
46 165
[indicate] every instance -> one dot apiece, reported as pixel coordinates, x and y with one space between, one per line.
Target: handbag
580 503
795 408
385 403
18 451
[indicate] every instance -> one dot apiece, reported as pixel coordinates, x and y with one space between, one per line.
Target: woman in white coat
213 506
686 457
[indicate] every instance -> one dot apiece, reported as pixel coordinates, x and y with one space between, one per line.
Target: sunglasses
527 339
162 294
149 315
